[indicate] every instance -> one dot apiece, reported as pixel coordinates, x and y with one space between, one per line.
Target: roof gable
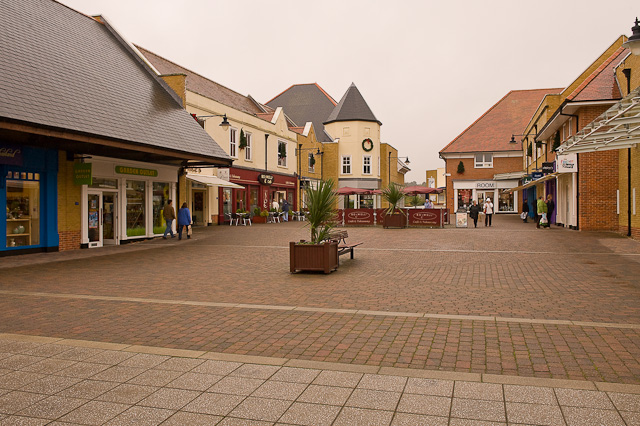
306 102
352 107
601 84
492 131
65 70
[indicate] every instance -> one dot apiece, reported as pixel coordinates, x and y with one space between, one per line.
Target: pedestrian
542 212
428 204
550 207
285 209
184 220
275 206
525 211
169 214
474 211
488 211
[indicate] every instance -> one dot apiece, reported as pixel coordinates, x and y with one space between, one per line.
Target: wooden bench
340 236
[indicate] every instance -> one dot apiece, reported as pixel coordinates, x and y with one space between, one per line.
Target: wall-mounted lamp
633 43
406 161
225 123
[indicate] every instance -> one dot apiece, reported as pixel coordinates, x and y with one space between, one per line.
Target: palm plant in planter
318 254
394 217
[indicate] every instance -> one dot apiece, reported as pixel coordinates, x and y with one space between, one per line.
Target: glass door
109 218
102 218
94 219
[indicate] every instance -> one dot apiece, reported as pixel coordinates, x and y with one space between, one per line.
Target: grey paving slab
280 390
14 401
168 398
50 384
577 416
155 377
530 394
296 375
143 416
195 381
179 364
582 398
127 393
626 402
351 416
264 409
476 409
94 413
256 371
52 407
472 390
82 370
214 403
216 367
382 382
182 418
406 419
425 404
233 385
49 366
89 389
374 399
338 378
310 414
327 395
535 414
429 387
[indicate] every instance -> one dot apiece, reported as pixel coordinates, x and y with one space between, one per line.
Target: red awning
419 189
346 190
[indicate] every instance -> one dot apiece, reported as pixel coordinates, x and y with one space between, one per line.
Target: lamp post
406 161
633 44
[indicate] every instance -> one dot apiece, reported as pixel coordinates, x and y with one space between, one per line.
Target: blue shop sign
536 175
11 155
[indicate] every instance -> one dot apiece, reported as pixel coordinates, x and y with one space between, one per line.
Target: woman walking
488 211
474 211
184 220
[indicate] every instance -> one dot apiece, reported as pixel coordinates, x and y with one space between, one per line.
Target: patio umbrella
346 190
419 189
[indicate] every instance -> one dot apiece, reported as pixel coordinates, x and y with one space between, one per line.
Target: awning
533 182
213 181
617 128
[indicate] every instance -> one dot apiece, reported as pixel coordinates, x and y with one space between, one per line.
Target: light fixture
225 123
633 43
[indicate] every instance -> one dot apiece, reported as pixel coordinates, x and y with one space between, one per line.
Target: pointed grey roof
352 107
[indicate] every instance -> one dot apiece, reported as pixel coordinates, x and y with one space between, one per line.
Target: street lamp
298 151
406 161
633 43
225 123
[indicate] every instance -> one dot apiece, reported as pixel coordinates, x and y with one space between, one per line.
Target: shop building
86 157
259 140
484 161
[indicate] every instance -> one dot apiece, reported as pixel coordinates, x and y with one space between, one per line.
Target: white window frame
366 162
346 163
282 161
312 169
233 142
483 164
247 149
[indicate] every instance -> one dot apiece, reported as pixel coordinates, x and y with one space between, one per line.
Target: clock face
367 144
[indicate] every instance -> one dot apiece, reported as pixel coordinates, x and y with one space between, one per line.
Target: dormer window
484 161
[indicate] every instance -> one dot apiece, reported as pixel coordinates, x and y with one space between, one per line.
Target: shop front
567 191
260 190
28 191
466 191
123 200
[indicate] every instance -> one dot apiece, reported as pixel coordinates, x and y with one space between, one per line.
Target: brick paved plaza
508 306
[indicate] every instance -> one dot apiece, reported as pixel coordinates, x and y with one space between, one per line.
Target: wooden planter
314 257
396 220
259 219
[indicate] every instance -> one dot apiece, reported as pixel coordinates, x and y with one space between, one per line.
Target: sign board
265 179
223 174
425 217
536 175
526 179
548 167
358 216
136 171
10 154
486 185
82 174
461 220
567 163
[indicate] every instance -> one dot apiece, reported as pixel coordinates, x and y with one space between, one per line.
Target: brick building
484 161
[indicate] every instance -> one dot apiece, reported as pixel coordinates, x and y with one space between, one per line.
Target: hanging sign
567 163
536 175
265 179
82 174
125 170
548 167
10 154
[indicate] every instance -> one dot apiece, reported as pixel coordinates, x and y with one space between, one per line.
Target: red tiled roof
298 130
267 116
493 130
601 84
202 85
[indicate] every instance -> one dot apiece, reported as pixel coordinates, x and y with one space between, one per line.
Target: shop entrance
102 218
482 196
198 207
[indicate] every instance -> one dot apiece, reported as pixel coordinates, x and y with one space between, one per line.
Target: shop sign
358 216
485 185
526 179
223 174
82 174
536 175
136 171
10 154
265 179
567 163
424 217
548 167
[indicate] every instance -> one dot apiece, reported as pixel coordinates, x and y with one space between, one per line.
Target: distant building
436 179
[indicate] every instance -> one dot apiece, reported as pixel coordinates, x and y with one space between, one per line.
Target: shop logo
567 164
485 185
124 170
424 216
359 215
10 155
265 179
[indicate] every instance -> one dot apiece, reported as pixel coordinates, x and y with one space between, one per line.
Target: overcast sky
427 69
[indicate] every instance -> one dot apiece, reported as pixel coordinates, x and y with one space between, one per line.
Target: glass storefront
23 209
464 198
161 195
505 202
136 208
253 199
366 201
241 195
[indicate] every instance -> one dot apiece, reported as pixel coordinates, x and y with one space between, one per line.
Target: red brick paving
511 270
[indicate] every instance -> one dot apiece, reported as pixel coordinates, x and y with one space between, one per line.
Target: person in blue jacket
184 220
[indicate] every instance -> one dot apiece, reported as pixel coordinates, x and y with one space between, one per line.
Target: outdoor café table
273 217
244 217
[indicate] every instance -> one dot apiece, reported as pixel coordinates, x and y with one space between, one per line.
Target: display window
136 208
366 201
253 198
161 195
23 209
241 195
464 198
505 202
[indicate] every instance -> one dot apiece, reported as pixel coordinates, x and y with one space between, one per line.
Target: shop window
136 208
282 153
23 209
464 198
241 194
253 199
346 165
505 202
247 149
233 145
366 201
312 163
366 165
104 183
161 194
226 202
484 161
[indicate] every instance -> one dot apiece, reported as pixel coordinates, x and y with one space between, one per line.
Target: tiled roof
268 116
298 130
493 130
601 84
202 85
352 107
62 69
304 103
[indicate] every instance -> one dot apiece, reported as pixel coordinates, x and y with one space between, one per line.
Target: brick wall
623 185
69 198
500 165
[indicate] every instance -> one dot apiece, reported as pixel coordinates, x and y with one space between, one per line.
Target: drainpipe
628 192
266 137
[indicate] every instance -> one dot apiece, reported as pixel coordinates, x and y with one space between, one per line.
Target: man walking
488 212
169 214
285 209
474 211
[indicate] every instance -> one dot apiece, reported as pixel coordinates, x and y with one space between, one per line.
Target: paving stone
127 393
214 403
530 394
582 398
425 404
221 368
468 422
50 384
143 416
180 364
155 377
82 370
232 421
195 381
632 418
576 416
23 421
47 350
310 414
182 418
478 409
429 387
261 409
118 373
144 361
328 395
625 401
406 419
173 399
351 416
374 399
255 371
338 378
49 366
78 354
94 413
109 357
471 390
382 382
295 375
236 385
17 362
536 414
52 407
280 390
18 379
89 389
15 401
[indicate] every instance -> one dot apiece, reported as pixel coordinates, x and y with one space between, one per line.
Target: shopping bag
543 219
523 216
189 230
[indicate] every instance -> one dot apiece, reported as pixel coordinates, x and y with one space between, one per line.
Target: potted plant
317 254
257 216
394 217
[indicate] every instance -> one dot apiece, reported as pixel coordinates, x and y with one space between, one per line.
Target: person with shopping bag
488 212
542 212
184 220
